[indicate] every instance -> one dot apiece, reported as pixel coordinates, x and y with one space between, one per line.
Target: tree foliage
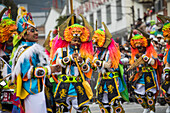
61 20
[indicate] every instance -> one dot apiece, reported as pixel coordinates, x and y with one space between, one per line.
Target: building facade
116 14
119 15
51 22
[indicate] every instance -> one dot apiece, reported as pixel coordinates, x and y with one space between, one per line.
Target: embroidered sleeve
85 68
37 72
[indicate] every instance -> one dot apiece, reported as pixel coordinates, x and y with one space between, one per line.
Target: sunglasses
33 30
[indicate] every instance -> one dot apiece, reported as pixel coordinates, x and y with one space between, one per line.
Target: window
83 1
158 5
108 14
99 23
138 13
91 20
119 9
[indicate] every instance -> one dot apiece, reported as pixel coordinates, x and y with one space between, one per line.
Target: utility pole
133 15
67 4
71 6
96 24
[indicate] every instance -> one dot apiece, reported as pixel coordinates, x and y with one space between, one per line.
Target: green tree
61 19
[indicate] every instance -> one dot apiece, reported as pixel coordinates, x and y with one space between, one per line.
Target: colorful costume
30 69
166 76
70 90
7 31
111 84
145 80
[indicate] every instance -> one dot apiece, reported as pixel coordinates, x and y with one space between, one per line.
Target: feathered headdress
64 38
104 39
8 28
7 25
24 21
166 31
145 42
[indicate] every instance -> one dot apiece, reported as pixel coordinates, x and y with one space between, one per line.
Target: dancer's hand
75 55
55 68
80 59
107 64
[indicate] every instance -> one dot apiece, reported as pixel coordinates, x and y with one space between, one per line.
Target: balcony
145 1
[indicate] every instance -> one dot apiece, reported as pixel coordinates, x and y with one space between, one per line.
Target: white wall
39 18
75 6
64 11
141 8
168 8
115 25
126 16
51 21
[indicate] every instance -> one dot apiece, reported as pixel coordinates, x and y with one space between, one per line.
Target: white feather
34 49
4 72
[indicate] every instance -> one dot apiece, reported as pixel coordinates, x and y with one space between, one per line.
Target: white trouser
105 100
36 103
74 104
140 89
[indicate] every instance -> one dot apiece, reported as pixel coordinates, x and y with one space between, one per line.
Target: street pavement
129 108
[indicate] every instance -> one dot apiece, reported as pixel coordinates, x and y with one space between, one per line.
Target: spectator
118 40
159 37
145 16
152 27
140 25
158 29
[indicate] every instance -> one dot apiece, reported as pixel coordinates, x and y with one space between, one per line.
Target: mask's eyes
79 31
166 35
94 38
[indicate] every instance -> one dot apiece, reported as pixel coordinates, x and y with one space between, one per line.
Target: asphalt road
129 108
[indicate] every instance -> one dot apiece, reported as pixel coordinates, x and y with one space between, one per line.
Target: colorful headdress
144 41
8 28
152 22
76 27
24 21
2 11
64 37
166 31
21 11
104 39
99 36
166 28
64 27
7 25
7 14
138 39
